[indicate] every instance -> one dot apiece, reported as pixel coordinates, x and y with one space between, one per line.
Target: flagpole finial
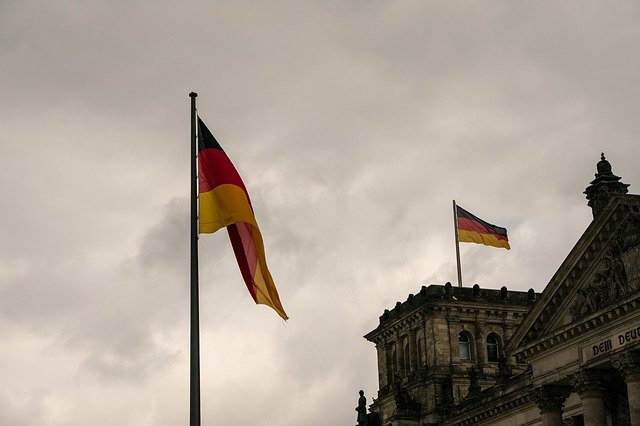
193 95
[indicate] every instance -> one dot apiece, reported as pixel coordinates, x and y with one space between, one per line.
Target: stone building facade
440 346
567 356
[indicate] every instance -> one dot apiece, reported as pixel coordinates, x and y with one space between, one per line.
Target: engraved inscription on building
615 341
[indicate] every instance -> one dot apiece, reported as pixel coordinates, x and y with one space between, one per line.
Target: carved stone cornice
577 329
551 398
431 303
482 409
402 326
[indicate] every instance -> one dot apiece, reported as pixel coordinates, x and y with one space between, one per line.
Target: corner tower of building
440 347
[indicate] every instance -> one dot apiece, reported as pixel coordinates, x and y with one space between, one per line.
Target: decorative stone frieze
631 260
577 329
618 275
608 285
617 238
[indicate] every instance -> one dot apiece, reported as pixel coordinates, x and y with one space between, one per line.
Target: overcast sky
354 125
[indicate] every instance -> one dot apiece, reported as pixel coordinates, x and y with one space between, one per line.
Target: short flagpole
194 394
455 229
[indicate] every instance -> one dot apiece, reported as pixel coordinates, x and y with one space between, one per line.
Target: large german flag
472 229
224 202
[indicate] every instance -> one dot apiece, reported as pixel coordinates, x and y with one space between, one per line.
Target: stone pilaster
413 356
481 345
453 324
508 332
392 367
589 384
402 369
383 373
628 364
550 400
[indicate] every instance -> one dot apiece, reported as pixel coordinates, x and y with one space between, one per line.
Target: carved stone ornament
606 287
627 249
631 261
551 398
628 363
618 277
589 382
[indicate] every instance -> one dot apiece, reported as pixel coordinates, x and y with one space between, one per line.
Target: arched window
464 344
421 361
493 347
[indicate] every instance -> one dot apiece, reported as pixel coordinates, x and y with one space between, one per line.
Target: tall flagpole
455 229
194 394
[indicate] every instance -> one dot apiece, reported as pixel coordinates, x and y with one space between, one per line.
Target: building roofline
452 296
555 290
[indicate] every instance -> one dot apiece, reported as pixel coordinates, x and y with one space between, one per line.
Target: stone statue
397 391
617 276
404 401
609 285
362 409
474 385
504 369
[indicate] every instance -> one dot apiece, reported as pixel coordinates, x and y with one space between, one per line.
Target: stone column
550 400
589 384
402 369
629 365
391 372
383 373
413 356
453 324
422 331
508 332
481 345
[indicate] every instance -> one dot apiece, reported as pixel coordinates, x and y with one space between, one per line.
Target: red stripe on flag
472 225
215 169
244 248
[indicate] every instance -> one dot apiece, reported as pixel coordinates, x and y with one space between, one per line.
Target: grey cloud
133 359
353 124
16 409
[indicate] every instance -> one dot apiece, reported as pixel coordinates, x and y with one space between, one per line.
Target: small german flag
224 202
472 229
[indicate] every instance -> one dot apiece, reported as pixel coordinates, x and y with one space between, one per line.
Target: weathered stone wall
423 334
